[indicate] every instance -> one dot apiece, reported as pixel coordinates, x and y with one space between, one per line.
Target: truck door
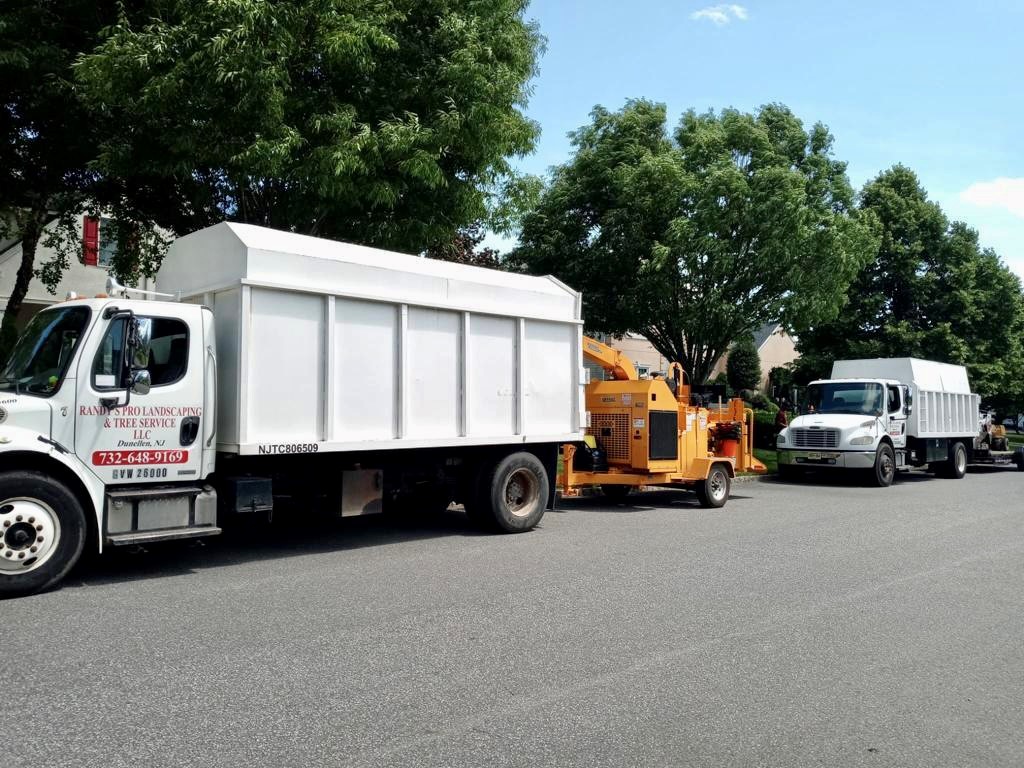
157 436
896 424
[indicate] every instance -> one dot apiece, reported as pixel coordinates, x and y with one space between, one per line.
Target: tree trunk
31 230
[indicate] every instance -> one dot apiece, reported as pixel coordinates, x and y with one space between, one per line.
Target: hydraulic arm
613 361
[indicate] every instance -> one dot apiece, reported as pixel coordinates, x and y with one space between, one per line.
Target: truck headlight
781 439
863 440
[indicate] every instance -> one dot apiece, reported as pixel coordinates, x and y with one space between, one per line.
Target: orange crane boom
613 361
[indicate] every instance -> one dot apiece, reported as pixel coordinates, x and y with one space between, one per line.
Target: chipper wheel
713 491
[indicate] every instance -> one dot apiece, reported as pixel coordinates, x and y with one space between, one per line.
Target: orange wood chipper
649 432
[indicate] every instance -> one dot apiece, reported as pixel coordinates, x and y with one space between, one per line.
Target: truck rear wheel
42 532
713 491
516 493
884 471
956 466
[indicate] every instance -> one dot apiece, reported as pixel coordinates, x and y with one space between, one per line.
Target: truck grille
612 431
815 438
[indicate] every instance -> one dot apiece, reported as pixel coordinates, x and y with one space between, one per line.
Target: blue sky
934 85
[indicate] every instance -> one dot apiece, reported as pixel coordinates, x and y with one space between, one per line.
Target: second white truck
882 415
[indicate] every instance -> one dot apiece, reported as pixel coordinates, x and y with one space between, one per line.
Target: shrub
744 366
764 427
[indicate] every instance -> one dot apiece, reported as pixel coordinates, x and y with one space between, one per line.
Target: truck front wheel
884 471
517 492
42 532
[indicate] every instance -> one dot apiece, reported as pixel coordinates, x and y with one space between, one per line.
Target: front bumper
827 458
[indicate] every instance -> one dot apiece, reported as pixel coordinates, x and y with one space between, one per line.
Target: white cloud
720 15
1004 193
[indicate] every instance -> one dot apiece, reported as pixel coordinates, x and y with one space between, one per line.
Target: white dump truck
883 415
284 368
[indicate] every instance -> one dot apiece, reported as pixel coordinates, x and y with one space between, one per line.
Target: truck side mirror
141 382
908 402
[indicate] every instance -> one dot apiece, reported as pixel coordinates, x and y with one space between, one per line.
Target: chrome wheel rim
961 461
29 534
718 485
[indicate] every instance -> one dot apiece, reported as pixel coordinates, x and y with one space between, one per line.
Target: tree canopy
931 292
698 238
46 138
386 122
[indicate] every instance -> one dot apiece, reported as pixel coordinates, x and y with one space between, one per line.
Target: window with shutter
90 240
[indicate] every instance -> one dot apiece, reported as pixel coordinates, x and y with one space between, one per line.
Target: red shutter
90 240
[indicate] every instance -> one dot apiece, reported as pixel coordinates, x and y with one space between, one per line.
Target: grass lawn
769 458
1014 439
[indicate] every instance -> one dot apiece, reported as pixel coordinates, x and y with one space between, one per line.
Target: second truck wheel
516 492
884 471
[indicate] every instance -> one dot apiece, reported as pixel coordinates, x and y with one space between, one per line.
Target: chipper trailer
286 373
652 432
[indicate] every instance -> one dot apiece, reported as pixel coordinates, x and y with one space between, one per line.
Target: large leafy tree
387 122
46 138
931 291
698 238
467 248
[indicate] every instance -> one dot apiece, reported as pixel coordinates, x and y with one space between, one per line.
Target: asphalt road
822 624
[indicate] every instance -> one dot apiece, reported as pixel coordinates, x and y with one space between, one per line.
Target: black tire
790 472
516 493
713 491
45 507
955 467
884 472
617 493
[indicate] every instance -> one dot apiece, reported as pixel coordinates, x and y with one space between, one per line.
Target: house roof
762 334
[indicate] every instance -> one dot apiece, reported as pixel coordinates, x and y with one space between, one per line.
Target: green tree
699 238
743 366
386 122
930 292
46 143
466 248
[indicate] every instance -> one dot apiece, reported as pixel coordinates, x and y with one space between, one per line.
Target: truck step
166 534
151 493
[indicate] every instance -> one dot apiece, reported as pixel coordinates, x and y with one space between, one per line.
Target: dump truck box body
343 347
943 404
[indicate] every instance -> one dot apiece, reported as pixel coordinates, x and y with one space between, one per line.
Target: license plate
813 456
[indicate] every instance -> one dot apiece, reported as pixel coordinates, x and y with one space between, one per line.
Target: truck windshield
862 398
44 351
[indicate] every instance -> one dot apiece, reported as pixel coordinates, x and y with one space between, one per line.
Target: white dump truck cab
845 423
106 433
